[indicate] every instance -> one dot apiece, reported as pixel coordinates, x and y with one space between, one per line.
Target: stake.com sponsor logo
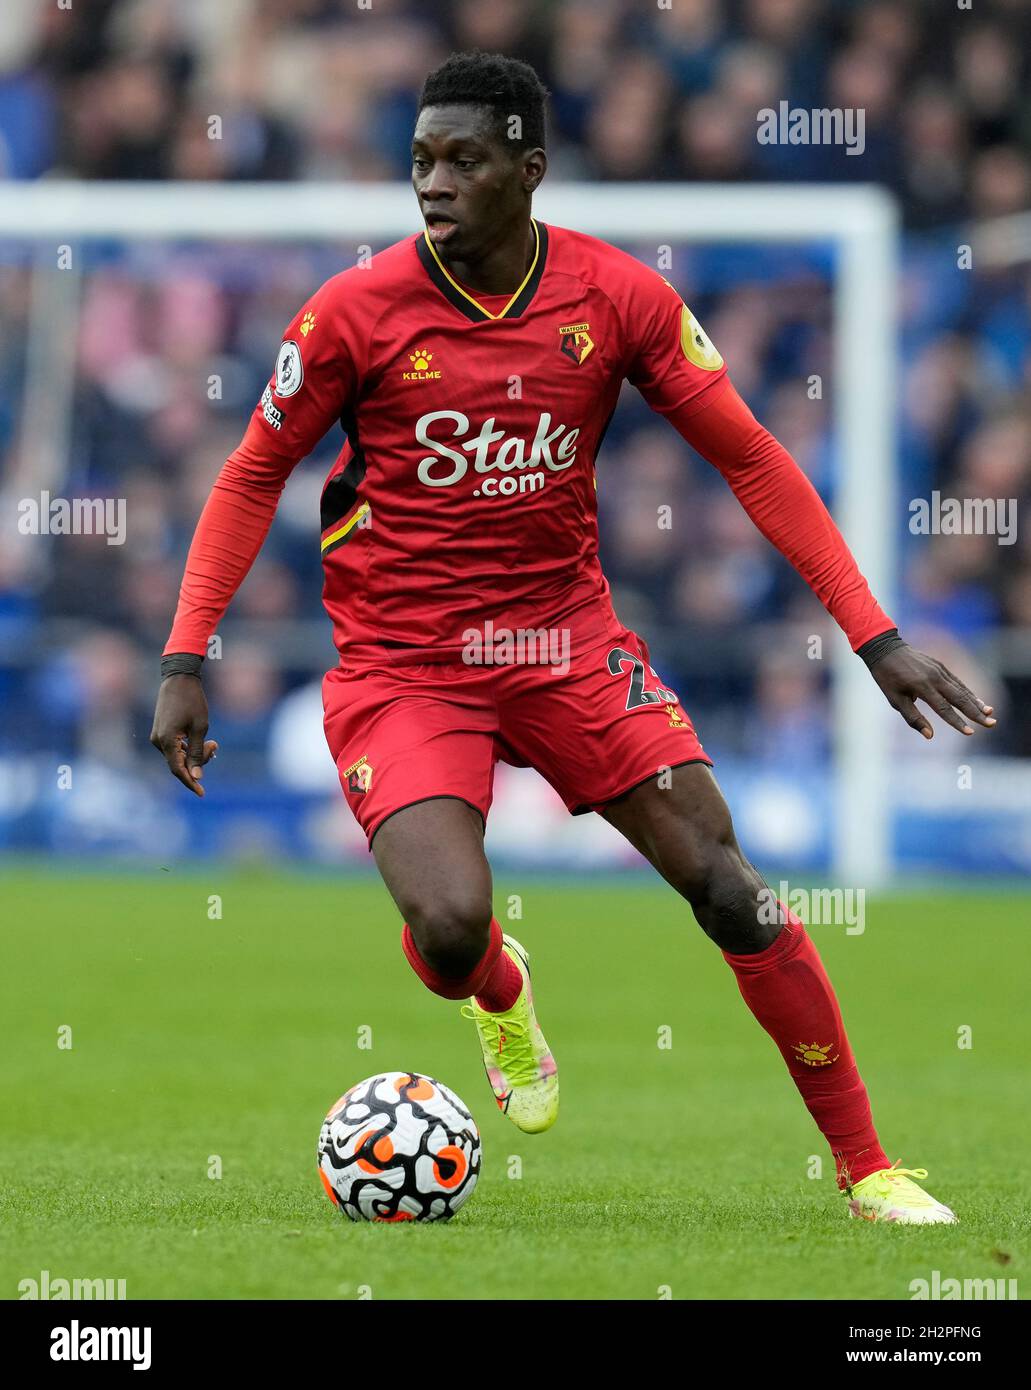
554 449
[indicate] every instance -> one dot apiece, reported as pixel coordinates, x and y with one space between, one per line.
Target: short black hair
507 86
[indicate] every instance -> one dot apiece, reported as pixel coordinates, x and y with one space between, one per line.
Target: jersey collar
464 301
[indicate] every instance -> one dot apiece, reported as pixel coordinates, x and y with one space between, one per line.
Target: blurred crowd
124 89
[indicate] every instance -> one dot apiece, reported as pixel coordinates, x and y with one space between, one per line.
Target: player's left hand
906 675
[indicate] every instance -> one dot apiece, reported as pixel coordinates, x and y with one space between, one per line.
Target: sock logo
813 1055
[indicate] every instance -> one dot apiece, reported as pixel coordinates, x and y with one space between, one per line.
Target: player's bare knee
731 915
724 891
452 932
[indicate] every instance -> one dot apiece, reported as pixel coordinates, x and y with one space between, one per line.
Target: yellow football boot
890 1194
516 1058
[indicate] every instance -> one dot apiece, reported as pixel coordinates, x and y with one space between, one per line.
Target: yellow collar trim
465 295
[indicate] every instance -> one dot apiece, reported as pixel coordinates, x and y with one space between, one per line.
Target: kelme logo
421 370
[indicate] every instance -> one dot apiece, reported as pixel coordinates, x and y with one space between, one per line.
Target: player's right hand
180 723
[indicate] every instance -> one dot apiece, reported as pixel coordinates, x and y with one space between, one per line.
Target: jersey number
637 695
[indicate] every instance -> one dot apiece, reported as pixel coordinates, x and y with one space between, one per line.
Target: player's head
478 149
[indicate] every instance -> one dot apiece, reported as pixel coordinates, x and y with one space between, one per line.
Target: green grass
684 1167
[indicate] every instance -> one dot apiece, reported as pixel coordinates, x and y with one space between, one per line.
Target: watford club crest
359 776
576 343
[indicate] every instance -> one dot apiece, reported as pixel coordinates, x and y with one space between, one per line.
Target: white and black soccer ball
399 1147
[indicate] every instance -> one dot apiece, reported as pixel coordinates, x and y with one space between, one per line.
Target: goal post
860 221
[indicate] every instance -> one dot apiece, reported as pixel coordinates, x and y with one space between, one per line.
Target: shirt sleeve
787 509
670 359
314 382
315 378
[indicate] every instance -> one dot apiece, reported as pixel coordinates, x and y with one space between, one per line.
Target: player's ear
535 166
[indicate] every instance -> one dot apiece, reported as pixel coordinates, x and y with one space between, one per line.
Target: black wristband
872 651
181 664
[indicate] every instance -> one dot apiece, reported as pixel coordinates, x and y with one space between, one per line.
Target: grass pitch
676 1171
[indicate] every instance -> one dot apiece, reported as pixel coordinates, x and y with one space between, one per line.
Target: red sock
787 989
495 980
502 986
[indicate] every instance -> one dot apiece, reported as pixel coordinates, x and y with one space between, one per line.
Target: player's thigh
432 861
680 821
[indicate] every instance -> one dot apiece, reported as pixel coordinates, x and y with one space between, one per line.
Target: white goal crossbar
861 222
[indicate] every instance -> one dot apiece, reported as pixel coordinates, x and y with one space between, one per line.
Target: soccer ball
399 1147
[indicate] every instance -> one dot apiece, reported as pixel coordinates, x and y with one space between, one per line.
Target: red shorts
401 734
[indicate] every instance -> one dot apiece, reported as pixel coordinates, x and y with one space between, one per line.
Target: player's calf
687 833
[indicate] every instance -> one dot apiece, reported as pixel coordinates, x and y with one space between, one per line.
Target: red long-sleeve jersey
466 487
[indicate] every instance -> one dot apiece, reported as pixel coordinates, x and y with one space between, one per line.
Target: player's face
472 191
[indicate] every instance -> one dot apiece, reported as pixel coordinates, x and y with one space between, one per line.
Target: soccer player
474 368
